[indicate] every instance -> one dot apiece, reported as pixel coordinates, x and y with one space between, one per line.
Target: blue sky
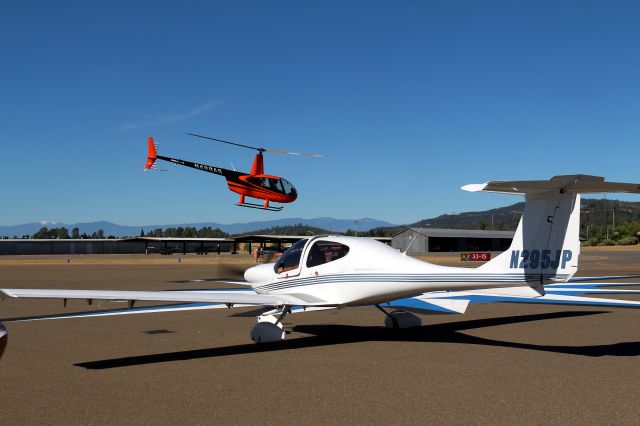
407 100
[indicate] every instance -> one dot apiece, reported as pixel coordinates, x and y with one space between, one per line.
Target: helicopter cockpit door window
255 181
275 183
288 265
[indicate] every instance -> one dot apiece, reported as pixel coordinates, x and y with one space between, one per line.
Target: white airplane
335 272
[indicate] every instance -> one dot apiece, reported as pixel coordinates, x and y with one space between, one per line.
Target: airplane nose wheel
400 319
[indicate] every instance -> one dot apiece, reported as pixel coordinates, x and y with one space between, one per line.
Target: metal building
279 242
114 246
147 245
429 240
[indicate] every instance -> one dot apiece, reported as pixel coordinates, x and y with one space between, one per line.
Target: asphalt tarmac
497 364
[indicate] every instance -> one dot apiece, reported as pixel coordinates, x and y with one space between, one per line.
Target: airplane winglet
474 187
152 155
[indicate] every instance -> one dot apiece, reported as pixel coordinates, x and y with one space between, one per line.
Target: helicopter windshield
291 258
288 188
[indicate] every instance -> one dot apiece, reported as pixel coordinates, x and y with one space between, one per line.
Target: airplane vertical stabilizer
546 245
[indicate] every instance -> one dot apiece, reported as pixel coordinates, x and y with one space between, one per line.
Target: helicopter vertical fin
152 154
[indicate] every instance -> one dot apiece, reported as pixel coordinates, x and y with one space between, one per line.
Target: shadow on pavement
325 335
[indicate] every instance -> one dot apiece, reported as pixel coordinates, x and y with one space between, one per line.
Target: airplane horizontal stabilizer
555 294
568 183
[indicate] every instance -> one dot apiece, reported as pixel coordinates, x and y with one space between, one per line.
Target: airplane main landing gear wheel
4 336
269 328
400 319
266 331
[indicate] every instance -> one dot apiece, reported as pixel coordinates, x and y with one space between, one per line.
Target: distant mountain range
595 213
328 223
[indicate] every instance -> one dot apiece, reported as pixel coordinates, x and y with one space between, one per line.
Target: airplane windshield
291 258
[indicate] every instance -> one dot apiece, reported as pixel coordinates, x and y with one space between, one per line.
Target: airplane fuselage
372 272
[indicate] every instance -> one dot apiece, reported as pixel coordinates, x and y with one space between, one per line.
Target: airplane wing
202 299
159 309
229 298
124 311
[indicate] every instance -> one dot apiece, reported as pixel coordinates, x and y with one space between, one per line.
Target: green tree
42 233
62 233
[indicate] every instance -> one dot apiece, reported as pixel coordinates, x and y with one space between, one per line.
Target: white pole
614 220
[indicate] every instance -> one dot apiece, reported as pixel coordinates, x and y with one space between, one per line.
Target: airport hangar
149 245
418 240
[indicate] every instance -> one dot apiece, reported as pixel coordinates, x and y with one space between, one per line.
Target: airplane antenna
413 238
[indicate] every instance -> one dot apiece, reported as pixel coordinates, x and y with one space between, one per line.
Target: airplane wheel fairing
266 331
402 319
4 337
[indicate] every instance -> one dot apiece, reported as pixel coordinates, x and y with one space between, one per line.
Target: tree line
62 233
186 232
602 222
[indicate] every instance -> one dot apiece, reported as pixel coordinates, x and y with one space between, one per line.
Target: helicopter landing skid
259 206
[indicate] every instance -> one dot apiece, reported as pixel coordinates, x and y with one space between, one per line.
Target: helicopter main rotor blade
230 143
276 151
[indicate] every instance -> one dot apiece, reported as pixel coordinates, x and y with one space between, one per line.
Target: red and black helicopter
255 184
